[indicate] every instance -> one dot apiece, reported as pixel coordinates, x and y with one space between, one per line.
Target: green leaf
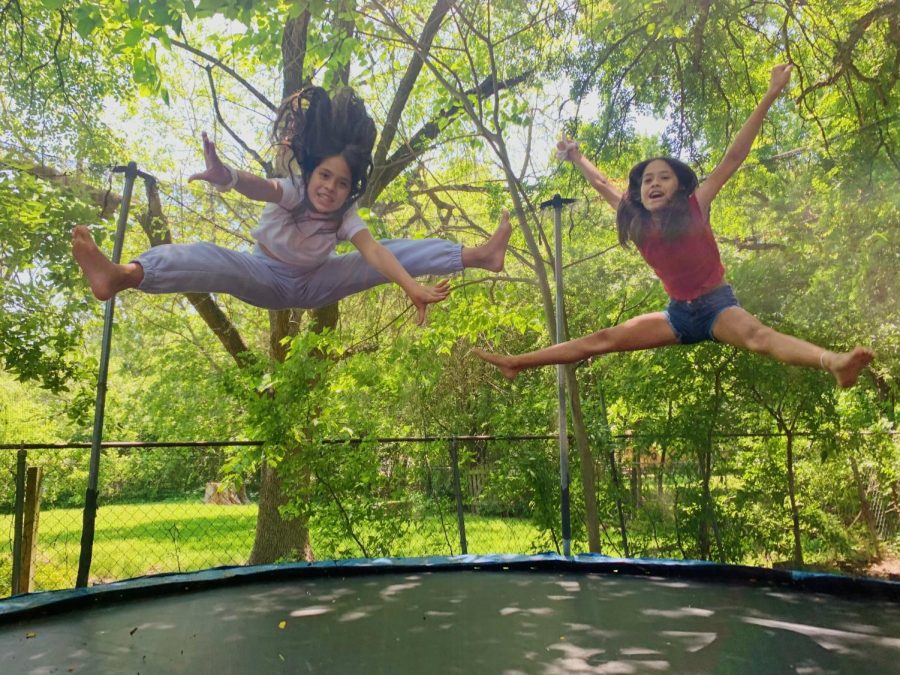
87 19
133 35
139 68
163 36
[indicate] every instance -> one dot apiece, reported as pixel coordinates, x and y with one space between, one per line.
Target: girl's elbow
735 157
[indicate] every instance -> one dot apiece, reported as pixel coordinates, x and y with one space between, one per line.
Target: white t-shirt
306 241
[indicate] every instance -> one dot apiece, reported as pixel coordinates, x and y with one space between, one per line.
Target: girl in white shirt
294 264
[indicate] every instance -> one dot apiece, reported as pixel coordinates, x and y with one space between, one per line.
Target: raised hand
567 149
780 76
216 172
422 296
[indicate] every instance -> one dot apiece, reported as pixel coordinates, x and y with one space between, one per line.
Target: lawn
137 539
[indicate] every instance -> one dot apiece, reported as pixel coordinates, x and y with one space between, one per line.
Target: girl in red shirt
665 212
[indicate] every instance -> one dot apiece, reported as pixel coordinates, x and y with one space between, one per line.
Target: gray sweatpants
265 282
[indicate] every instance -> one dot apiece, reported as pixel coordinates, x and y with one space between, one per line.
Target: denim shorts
693 320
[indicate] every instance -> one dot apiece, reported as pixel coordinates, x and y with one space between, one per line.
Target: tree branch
843 57
405 154
293 53
155 226
401 97
266 165
216 62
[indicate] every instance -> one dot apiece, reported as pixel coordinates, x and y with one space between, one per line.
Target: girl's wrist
232 181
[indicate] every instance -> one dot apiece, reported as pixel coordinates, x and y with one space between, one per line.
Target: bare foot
846 366
492 253
105 277
504 363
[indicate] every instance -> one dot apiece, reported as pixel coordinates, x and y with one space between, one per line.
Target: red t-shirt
690 265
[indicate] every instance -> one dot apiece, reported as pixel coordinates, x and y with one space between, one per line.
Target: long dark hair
311 126
633 219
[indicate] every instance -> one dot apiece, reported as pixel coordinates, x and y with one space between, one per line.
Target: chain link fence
444 497
151 517
158 512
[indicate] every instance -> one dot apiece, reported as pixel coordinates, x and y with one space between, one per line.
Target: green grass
137 539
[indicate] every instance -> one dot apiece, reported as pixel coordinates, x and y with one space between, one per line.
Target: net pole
557 204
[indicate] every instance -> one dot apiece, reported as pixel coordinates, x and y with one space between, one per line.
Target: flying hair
310 127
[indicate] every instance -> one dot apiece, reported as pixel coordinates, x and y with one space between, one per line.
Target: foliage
38 327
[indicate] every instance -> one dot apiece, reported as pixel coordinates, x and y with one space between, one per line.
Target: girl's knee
759 339
603 341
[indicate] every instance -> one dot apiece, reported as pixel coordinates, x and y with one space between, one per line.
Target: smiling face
329 184
658 185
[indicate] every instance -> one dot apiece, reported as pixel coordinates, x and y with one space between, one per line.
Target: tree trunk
678 539
635 476
795 511
710 506
708 518
617 488
293 53
614 474
868 516
277 538
661 469
586 460
703 526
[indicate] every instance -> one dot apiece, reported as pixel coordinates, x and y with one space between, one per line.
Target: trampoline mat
465 622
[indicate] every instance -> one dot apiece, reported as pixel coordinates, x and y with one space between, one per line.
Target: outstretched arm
248 184
568 149
740 146
385 262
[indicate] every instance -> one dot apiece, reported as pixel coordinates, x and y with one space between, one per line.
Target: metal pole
557 203
18 526
460 518
90 498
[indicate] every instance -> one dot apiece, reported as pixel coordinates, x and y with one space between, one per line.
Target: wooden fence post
18 517
30 528
460 518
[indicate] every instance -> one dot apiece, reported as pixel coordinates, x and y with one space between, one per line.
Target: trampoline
467 614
